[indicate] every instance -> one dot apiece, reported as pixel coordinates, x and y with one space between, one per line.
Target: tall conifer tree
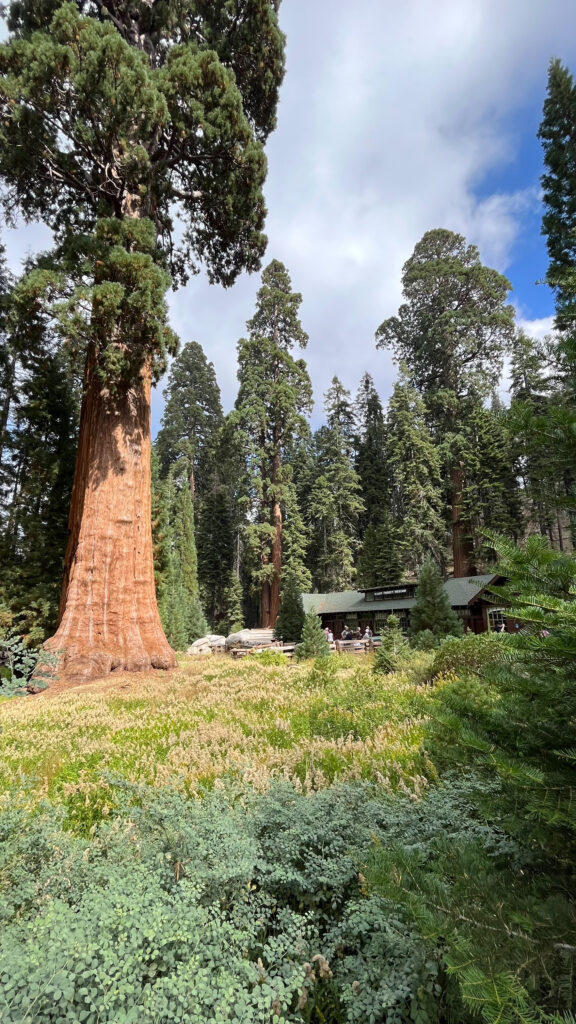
109 115
334 500
274 393
192 418
558 136
451 331
416 489
371 454
39 454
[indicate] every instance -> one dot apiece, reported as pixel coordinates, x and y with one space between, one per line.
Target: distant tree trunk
109 619
277 562
265 605
462 548
270 594
5 410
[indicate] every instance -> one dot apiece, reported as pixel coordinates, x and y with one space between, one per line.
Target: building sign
382 595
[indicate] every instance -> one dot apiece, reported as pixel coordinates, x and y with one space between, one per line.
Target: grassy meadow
215 720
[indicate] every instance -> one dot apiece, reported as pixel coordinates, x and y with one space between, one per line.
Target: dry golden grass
214 719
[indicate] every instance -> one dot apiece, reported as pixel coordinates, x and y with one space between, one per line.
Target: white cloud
537 328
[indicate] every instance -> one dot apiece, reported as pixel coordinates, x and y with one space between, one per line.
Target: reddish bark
270 593
265 605
277 562
108 614
462 547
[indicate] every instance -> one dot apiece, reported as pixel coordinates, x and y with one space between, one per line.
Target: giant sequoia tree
109 115
451 332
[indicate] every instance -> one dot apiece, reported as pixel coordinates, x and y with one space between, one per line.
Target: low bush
466 654
18 663
236 907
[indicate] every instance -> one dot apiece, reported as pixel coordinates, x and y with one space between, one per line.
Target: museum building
372 606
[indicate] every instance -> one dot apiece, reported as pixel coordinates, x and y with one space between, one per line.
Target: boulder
205 644
250 638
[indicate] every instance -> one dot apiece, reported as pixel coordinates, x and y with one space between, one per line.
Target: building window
496 620
403 617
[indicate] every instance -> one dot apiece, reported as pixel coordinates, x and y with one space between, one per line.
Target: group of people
349 634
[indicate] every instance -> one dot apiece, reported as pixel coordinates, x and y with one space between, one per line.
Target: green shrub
290 621
343 906
467 654
269 658
18 663
314 643
425 640
392 648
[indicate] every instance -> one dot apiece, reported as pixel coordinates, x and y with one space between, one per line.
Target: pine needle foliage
393 646
314 643
290 622
515 713
432 609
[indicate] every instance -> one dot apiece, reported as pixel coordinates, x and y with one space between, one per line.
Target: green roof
463 590
460 593
350 601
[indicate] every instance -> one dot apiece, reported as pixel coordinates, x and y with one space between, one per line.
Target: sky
394 118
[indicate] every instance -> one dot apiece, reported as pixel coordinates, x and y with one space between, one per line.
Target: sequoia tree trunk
277 563
109 618
270 592
462 547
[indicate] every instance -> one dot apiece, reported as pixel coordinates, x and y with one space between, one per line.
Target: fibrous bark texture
270 593
108 614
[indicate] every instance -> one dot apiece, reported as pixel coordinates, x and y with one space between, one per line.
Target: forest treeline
245 501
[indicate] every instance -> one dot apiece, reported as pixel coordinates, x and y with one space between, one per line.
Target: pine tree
295 539
40 452
109 116
371 455
383 556
314 643
274 393
186 563
233 611
415 482
451 332
332 511
192 418
432 610
558 135
554 431
331 496
220 525
392 647
161 536
216 535
340 413
290 621
491 497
